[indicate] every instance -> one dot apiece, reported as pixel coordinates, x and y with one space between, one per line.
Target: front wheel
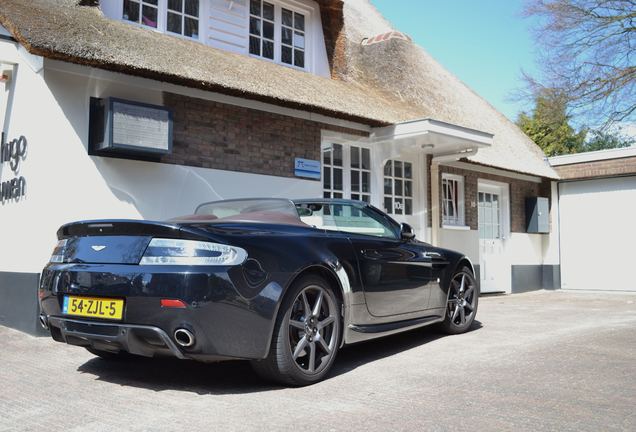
306 336
463 297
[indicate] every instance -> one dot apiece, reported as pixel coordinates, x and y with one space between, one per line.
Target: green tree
549 124
601 140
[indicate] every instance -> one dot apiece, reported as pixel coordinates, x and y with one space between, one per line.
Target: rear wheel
463 298
306 336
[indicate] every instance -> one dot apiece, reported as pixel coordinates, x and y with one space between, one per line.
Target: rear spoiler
131 227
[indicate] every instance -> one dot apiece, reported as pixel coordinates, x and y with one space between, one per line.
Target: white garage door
598 234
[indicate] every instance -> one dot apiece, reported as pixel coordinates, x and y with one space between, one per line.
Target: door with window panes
401 190
346 172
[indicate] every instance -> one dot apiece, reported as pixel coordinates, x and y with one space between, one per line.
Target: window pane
255 45
268 30
337 154
398 169
366 159
255 7
398 206
355 180
408 170
286 36
287 18
326 177
268 49
388 186
268 11
355 197
191 27
326 156
327 195
174 23
255 26
481 197
149 16
337 179
299 21
175 5
299 40
286 55
408 207
131 11
366 198
192 7
408 188
355 157
398 187
299 58
387 168
366 182
337 195
388 205
152 2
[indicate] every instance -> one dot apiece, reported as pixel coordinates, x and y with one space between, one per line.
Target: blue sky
486 43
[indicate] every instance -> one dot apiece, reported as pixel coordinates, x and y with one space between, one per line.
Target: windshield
252 210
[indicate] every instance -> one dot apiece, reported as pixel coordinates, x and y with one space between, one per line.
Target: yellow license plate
94 307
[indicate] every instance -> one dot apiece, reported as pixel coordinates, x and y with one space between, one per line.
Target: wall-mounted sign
12 153
125 127
307 168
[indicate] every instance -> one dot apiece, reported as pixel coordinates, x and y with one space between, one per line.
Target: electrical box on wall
120 127
537 215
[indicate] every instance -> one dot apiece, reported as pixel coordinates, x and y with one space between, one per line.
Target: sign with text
307 168
12 153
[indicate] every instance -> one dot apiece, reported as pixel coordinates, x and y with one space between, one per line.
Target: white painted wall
598 234
224 24
64 183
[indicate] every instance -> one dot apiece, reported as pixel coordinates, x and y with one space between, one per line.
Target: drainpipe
435 192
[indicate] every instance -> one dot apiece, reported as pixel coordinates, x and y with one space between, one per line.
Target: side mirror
406 231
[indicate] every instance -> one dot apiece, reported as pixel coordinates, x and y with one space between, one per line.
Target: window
360 174
180 17
144 12
452 200
489 216
277 33
292 38
398 187
183 17
262 29
350 218
332 171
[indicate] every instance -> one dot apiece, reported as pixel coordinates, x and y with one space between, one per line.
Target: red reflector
172 303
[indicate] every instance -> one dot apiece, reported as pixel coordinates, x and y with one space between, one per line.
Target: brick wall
601 168
214 135
519 191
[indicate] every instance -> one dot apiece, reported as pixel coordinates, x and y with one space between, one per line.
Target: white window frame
401 197
162 19
278 25
346 169
183 16
460 220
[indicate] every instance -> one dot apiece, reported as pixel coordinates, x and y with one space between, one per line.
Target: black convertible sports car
282 283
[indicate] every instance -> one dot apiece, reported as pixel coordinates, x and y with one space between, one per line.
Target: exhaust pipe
44 322
184 337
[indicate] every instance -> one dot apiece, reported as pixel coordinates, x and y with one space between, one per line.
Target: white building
250 86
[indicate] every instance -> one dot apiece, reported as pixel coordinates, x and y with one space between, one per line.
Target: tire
111 356
463 300
301 334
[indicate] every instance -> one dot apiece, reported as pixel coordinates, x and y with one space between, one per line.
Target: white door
598 233
401 192
493 271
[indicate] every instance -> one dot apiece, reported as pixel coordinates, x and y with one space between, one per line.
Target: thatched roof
68 31
374 83
407 72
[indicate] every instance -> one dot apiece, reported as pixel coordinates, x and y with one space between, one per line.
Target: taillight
172 303
58 252
191 252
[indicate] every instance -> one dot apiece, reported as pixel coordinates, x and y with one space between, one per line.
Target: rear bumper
231 313
147 341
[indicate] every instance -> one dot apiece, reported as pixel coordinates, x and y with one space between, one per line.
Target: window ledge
456 227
